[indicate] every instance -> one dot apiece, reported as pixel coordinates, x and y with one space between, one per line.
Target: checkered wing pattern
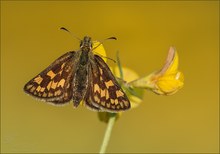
53 84
104 92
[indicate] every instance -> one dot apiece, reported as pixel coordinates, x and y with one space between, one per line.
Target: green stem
119 66
108 131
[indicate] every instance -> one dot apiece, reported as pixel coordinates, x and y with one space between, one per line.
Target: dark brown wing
54 83
104 92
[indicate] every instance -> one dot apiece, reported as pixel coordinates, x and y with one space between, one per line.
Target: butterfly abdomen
80 81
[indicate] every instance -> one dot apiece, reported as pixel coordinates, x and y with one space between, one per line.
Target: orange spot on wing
38 79
61 83
51 74
109 84
119 93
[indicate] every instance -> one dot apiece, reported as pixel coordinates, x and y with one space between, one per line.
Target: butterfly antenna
110 38
105 57
63 28
101 42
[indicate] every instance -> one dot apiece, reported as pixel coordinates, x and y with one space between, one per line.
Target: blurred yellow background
185 122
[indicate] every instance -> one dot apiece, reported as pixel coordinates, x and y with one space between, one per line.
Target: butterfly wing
104 92
52 84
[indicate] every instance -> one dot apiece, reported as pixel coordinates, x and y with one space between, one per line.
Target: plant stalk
108 131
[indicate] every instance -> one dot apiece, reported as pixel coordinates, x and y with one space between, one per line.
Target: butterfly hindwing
105 93
53 83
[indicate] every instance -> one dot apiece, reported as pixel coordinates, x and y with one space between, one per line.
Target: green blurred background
185 122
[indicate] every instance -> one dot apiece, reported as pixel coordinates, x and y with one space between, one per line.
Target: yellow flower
167 81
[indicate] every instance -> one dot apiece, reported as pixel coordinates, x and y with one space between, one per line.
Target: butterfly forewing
53 84
105 93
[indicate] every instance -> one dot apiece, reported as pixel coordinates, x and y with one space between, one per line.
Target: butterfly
79 76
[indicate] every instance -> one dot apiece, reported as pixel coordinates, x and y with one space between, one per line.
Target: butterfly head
86 42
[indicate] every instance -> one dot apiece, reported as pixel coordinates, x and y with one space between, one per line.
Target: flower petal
128 73
167 81
169 84
98 48
172 62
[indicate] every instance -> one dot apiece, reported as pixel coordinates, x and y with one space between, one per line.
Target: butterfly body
80 76
80 82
